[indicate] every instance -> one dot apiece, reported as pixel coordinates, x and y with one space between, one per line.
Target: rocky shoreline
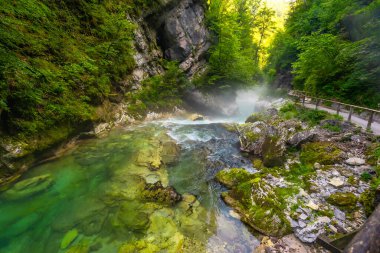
310 179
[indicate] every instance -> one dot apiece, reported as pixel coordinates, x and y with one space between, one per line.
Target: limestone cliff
175 31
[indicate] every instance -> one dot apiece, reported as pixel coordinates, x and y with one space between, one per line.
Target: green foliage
366 177
58 59
160 92
332 49
312 117
232 56
332 128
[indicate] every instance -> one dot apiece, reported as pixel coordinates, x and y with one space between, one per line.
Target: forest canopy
331 48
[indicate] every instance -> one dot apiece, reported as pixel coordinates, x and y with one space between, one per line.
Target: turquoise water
91 199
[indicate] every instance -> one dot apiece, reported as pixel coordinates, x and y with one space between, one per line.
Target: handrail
304 95
334 101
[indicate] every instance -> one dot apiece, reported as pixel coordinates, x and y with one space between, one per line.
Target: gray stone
339 214
303 216
301 137
355 161
294 223
302 224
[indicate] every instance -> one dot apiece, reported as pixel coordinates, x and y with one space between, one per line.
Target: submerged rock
69 237
158 193
29 187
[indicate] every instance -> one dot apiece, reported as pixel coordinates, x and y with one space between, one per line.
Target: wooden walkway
347 111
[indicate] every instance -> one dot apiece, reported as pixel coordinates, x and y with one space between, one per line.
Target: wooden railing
304 95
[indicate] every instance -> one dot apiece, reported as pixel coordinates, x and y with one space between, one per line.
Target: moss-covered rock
254 117
29 187
273 151
160 194
257 202
233 177
345 200
325 153
367 199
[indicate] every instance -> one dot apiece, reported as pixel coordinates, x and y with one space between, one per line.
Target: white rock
336 181
234 214
317 166
312 205
324 219
355 161
303 216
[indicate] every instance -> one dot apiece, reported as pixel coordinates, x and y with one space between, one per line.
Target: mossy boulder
160 194
367 199
233 177
325 153
344 200
256 201
273 151
265 141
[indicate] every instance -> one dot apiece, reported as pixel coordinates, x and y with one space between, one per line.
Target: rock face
184 37
176 31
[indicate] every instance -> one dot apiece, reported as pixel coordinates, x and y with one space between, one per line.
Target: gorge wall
175 31
164 29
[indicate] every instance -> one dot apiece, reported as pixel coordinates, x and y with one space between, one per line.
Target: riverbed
90 199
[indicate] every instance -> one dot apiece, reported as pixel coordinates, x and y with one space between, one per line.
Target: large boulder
256 202
264 140
300 138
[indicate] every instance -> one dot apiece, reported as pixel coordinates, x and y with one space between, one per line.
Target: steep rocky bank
172 30
311 179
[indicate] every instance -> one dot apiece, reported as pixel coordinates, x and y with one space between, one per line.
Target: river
91 197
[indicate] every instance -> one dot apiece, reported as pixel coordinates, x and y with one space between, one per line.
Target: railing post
317 104
338 109
350 114
370 119
303 100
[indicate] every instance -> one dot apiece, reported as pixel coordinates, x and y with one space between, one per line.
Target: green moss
367 199
312 117
233 177
344 200
259 204
257 163
257 117
352 180
325 153
273 153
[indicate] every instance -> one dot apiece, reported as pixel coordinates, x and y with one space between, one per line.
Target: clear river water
90 199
